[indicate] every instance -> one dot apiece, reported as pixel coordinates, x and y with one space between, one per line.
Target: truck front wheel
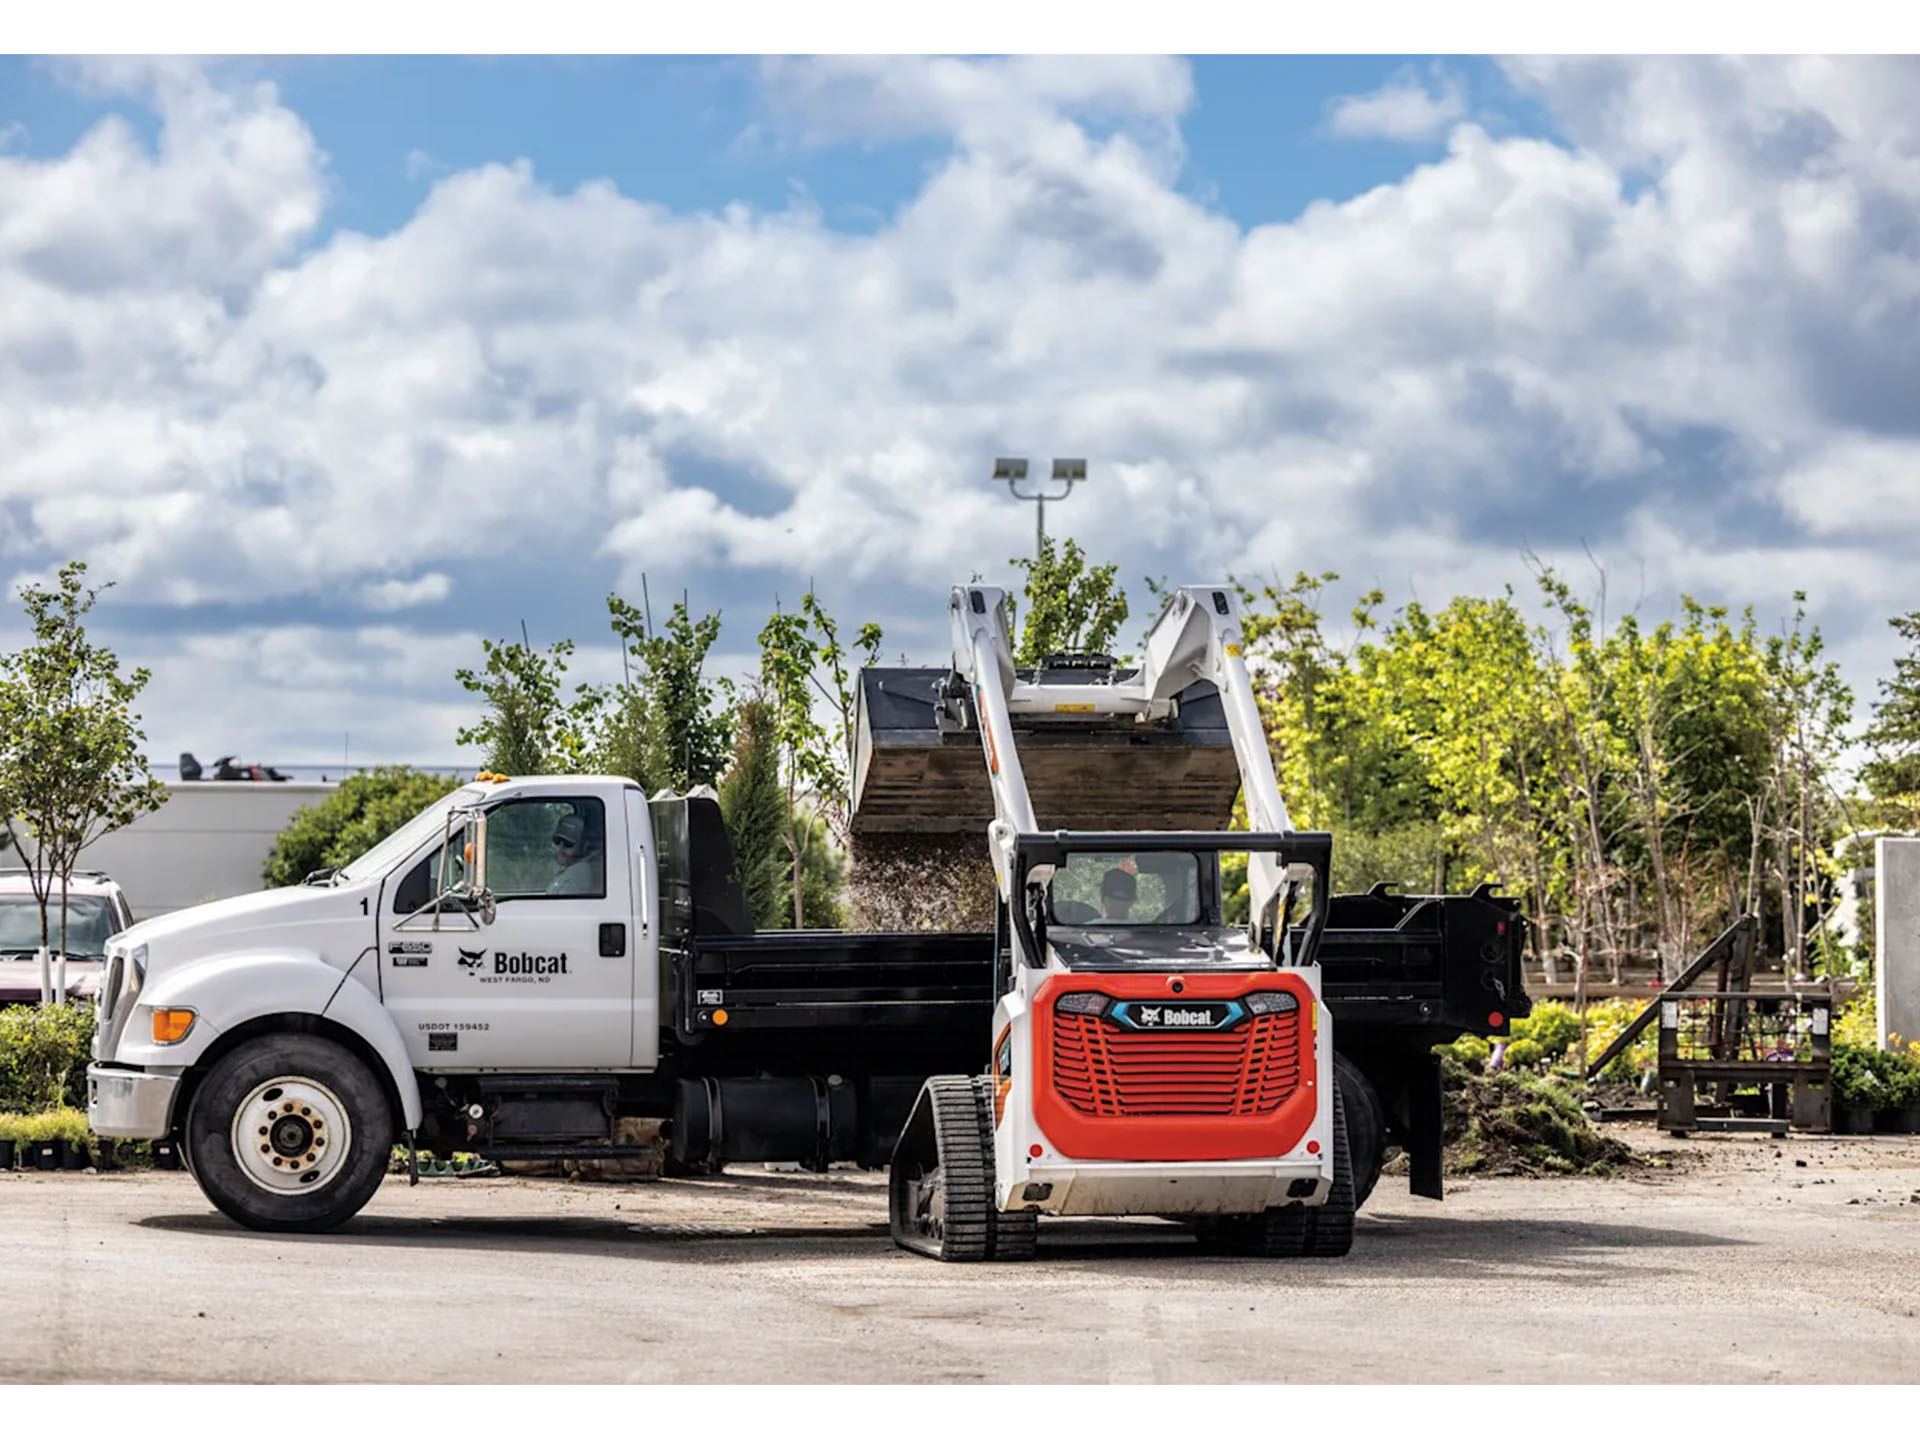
290 1132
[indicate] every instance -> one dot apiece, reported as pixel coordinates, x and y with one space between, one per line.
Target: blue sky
330 390
681 131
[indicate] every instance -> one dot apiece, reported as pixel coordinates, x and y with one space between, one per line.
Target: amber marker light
170 1027
719 1017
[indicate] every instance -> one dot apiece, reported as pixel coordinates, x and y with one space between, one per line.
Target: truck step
566 1152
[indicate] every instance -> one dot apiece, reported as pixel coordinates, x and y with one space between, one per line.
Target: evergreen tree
754 805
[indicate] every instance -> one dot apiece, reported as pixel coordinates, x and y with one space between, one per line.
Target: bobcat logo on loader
1148 1015
471 960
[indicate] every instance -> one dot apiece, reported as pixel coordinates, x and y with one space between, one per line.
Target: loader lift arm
1197 637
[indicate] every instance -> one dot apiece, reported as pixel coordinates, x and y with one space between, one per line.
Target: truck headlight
1271 1002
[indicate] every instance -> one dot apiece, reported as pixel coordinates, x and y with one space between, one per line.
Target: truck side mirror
463 866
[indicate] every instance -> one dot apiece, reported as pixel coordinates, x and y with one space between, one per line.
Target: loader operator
1118 890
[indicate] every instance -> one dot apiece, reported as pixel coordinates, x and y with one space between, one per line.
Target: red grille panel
1101 1070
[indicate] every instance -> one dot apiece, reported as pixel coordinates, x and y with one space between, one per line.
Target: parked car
96 910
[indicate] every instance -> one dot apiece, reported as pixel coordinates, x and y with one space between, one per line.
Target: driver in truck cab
576 859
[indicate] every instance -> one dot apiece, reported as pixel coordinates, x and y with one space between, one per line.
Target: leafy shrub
1472 1051
1857 1024
43 1055
352 820
1552 1026
63 1123
1857 1083
1523 1054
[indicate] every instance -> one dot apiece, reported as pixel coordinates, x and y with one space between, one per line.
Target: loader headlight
1083 1002
1271 1002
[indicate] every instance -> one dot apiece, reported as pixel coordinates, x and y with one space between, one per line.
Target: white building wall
1896 932
209 841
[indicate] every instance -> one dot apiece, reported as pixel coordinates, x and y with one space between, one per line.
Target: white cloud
1665 338
428 589
1403 109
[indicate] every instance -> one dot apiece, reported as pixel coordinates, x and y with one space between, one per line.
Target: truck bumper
1231 1187
130 1104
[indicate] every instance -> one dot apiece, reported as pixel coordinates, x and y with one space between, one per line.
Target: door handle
613 939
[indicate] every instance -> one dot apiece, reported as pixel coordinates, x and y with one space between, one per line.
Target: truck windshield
1150 887
400 844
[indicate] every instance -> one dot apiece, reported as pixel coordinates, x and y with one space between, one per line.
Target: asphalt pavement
1741 1260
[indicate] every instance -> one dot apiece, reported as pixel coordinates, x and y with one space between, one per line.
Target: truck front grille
1102 1070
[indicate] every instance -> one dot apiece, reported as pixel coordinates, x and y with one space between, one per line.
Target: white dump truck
532 959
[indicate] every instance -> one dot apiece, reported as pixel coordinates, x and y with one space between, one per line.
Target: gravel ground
1735 1259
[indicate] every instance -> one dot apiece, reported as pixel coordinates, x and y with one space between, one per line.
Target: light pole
1066 474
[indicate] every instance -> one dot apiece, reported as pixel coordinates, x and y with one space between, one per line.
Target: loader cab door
548 985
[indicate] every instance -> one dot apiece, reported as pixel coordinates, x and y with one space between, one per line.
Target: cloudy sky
335 366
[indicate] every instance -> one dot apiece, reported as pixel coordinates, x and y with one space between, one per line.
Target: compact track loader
1146 1057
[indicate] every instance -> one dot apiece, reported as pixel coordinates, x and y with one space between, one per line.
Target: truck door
549 984
645 938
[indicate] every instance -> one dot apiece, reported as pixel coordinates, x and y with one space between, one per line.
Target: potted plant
45 1149
1858 1088
9 1139
1902 1113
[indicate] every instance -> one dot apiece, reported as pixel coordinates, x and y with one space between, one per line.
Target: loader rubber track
941 1185
1320 1232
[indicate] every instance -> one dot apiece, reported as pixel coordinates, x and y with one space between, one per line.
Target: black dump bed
812 998
1421 968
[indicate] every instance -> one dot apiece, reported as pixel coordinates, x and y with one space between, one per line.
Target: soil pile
1516 1123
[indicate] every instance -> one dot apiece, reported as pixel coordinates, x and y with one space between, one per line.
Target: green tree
1069 604
685 725
1811 709
1893 774
754 805
70 763
527 728
362 812
803 665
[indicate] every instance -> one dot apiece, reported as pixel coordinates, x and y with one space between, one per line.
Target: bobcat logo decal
471 959
1149 1015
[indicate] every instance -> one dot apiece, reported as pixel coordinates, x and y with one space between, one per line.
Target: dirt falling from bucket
920 882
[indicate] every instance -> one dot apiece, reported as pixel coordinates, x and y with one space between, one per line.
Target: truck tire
1366 1127
1290 1232
940 1186
290 1133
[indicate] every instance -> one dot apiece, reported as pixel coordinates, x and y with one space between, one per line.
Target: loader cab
1144 910
1146 888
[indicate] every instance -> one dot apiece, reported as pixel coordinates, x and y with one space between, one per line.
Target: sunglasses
564 843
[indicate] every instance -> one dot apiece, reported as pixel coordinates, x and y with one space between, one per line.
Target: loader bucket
918 772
